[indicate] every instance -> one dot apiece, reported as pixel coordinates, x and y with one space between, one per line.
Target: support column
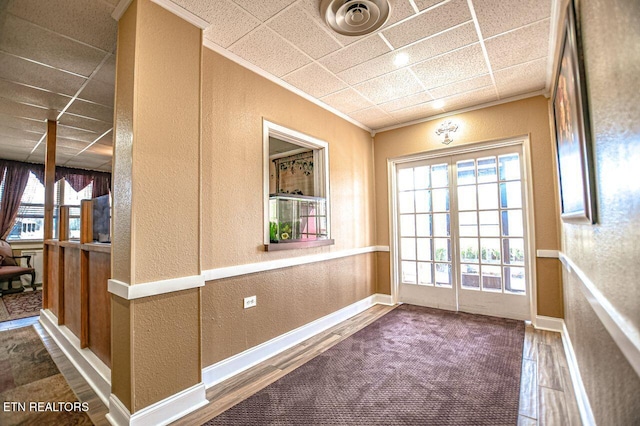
156 275
49 200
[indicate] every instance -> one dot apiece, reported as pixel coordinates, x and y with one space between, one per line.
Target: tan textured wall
156 341
383 271
528 116
608 252
287 298
166 353
234 102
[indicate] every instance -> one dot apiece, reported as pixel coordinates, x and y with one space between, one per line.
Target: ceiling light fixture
438 104
401 59
447 127
355 17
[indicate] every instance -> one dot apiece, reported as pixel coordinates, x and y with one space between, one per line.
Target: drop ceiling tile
80 162
315 80
89 124
267 50
15 109
475 97
454 66
70 144
431 22
424 4
406 102
106 140
32 96
523 78
107 73
495 17
400 9
347 101
23 124
263 10
15 155
518 46
229 22
7 142
462 86
91 110
416 112
103 152
420 51
71 133
312 8
300 29
356 53
390 86
98 92
86 21
26 40
20 134
373 117
25 72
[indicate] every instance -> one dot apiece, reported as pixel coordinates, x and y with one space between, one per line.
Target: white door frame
525 142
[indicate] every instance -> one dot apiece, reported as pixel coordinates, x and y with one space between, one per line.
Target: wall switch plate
250 302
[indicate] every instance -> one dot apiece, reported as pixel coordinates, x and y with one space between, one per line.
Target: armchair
10 268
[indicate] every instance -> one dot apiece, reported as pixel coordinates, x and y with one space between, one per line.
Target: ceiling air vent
355 17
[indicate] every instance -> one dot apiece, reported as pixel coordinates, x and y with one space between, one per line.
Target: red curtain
16 176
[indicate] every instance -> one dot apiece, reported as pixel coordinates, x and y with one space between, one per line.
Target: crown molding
121 7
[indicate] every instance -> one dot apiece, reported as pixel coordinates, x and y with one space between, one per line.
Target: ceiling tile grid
315 80
347 100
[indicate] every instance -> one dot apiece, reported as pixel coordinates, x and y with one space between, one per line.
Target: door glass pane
467 197
423 225
489 223
443 274
441 249
408 272
468 223
487 170
408 248
509 166
440 200
425 273
512 223
514 280
441 224
469 250
424 249
488 196
490 249
470 276
491 278
422 177
406 202
407 225
405 179
423 201
514 251
510 195
466 172
440 175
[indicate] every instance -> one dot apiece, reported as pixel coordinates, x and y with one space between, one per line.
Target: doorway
460 233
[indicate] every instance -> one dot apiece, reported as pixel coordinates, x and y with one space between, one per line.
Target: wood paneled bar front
78 271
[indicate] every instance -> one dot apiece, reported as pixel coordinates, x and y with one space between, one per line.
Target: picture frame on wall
573 136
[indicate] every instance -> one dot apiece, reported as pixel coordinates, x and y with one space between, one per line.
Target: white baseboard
92 369
229 367
582 399
549 323
162 412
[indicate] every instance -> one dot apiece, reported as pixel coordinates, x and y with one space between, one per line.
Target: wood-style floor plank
548 370
529 390
555 410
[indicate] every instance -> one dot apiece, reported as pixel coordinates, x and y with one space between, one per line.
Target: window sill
298 245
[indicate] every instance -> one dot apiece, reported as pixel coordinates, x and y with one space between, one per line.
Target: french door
461 234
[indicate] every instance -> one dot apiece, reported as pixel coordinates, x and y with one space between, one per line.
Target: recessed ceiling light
438 104
401 59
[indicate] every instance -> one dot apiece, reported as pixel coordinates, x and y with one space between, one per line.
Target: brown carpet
20 305
28 374
414 366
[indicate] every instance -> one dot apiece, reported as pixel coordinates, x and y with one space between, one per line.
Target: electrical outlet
250 302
